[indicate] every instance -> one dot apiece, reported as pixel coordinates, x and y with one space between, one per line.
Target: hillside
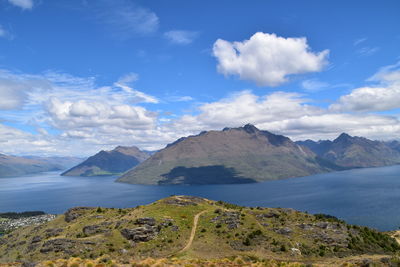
15 166
355 152
65 162
113 162
233 155
184 227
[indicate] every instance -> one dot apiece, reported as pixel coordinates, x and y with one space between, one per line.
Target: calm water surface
368 197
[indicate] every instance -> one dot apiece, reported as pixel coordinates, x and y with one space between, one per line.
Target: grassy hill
191 228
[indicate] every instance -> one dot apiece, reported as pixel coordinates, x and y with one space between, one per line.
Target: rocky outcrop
74 213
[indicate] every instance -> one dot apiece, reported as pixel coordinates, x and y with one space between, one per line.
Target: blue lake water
368 197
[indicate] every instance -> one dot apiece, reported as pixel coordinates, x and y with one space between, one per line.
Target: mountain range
355 152
113 162
233 155
247 154
15 166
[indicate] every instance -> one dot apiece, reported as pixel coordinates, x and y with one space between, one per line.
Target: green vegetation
163 230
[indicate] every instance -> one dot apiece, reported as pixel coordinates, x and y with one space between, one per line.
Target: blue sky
79 76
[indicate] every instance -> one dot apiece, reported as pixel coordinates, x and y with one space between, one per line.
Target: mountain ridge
233 155
111 162
354 151
15 166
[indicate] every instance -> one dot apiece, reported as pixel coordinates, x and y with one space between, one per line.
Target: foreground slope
15 166
234 155
112 162
355 152
193 228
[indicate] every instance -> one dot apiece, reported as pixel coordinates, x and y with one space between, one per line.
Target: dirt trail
193 233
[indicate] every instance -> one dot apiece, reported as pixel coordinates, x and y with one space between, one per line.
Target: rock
184 201
270 214
140 234
2 241
284 231
59 245
366 263
74 213
306 226
230 218
53 232
295 252
36 239
91 229
146 221
28 264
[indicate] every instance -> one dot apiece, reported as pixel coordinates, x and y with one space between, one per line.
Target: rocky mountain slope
15 166
193 228
355 152
113 162
233 155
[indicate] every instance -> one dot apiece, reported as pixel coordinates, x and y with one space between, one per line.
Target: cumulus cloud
284 113
181 37
267 59
24 4
383 96
78 109
92 115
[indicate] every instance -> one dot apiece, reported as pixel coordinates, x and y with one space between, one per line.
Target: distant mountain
15 166
65 162
355 152
233 155
394 145
113 162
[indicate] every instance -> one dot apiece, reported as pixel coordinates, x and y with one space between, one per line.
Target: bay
369 196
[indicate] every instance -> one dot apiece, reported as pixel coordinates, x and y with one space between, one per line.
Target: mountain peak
343 137
250 128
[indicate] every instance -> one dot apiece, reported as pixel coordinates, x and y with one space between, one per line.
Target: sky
80 76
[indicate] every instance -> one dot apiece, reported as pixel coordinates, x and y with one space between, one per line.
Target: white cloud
93 116
383 96
314 85
180 98
359 41
24 4
181 37
267 59
12 94
367 51
5 33
124 18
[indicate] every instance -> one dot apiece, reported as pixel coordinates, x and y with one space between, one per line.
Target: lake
368 196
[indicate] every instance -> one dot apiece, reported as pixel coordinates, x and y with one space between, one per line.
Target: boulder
146 221
74 213
284 231
53 232
140 234
36 239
